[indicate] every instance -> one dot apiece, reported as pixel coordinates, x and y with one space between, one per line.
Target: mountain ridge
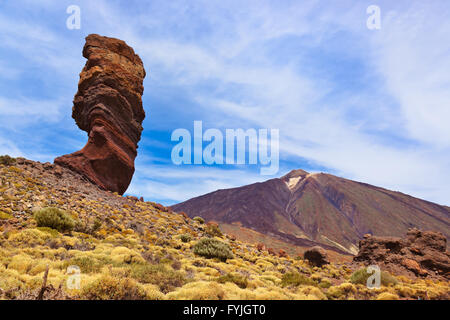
319 209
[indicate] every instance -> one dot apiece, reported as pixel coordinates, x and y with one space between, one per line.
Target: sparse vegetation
7 160
138 251
54 218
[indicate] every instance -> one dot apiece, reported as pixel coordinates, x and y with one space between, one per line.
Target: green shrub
185 237
7 160
213 230
213 248
110 288
240 280
360 277
199 220
166 279
296 279
54 218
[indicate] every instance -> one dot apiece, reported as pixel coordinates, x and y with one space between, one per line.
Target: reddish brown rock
420 254
282 254
414 266
108 106
317 256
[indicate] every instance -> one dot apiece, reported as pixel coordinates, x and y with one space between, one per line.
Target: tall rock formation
108 106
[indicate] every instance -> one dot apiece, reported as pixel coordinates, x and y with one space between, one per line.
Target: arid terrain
127 248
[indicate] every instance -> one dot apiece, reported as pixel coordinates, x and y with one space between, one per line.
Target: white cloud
29 110
412 53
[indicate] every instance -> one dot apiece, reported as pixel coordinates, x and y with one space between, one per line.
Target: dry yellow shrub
30 237
22 263
342 291
387 296
125 255
312 293
200 290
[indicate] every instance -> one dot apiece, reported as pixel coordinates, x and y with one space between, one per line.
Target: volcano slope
125 248
309 209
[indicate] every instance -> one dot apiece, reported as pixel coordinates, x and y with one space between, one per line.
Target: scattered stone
133 198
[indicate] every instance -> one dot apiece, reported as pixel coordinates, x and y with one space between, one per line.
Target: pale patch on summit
292 182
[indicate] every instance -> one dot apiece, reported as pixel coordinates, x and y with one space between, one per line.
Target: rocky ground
127 248
419 254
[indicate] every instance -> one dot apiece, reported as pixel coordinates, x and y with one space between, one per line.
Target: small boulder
316 256
413 266
282 254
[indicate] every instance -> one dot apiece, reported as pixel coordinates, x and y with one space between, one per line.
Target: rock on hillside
420 254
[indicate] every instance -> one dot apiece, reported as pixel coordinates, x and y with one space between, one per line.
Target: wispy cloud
9 147
369 105
29 110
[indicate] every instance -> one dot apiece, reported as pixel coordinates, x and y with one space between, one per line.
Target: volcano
307 209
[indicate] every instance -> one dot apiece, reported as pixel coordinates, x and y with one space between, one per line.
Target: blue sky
369 105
